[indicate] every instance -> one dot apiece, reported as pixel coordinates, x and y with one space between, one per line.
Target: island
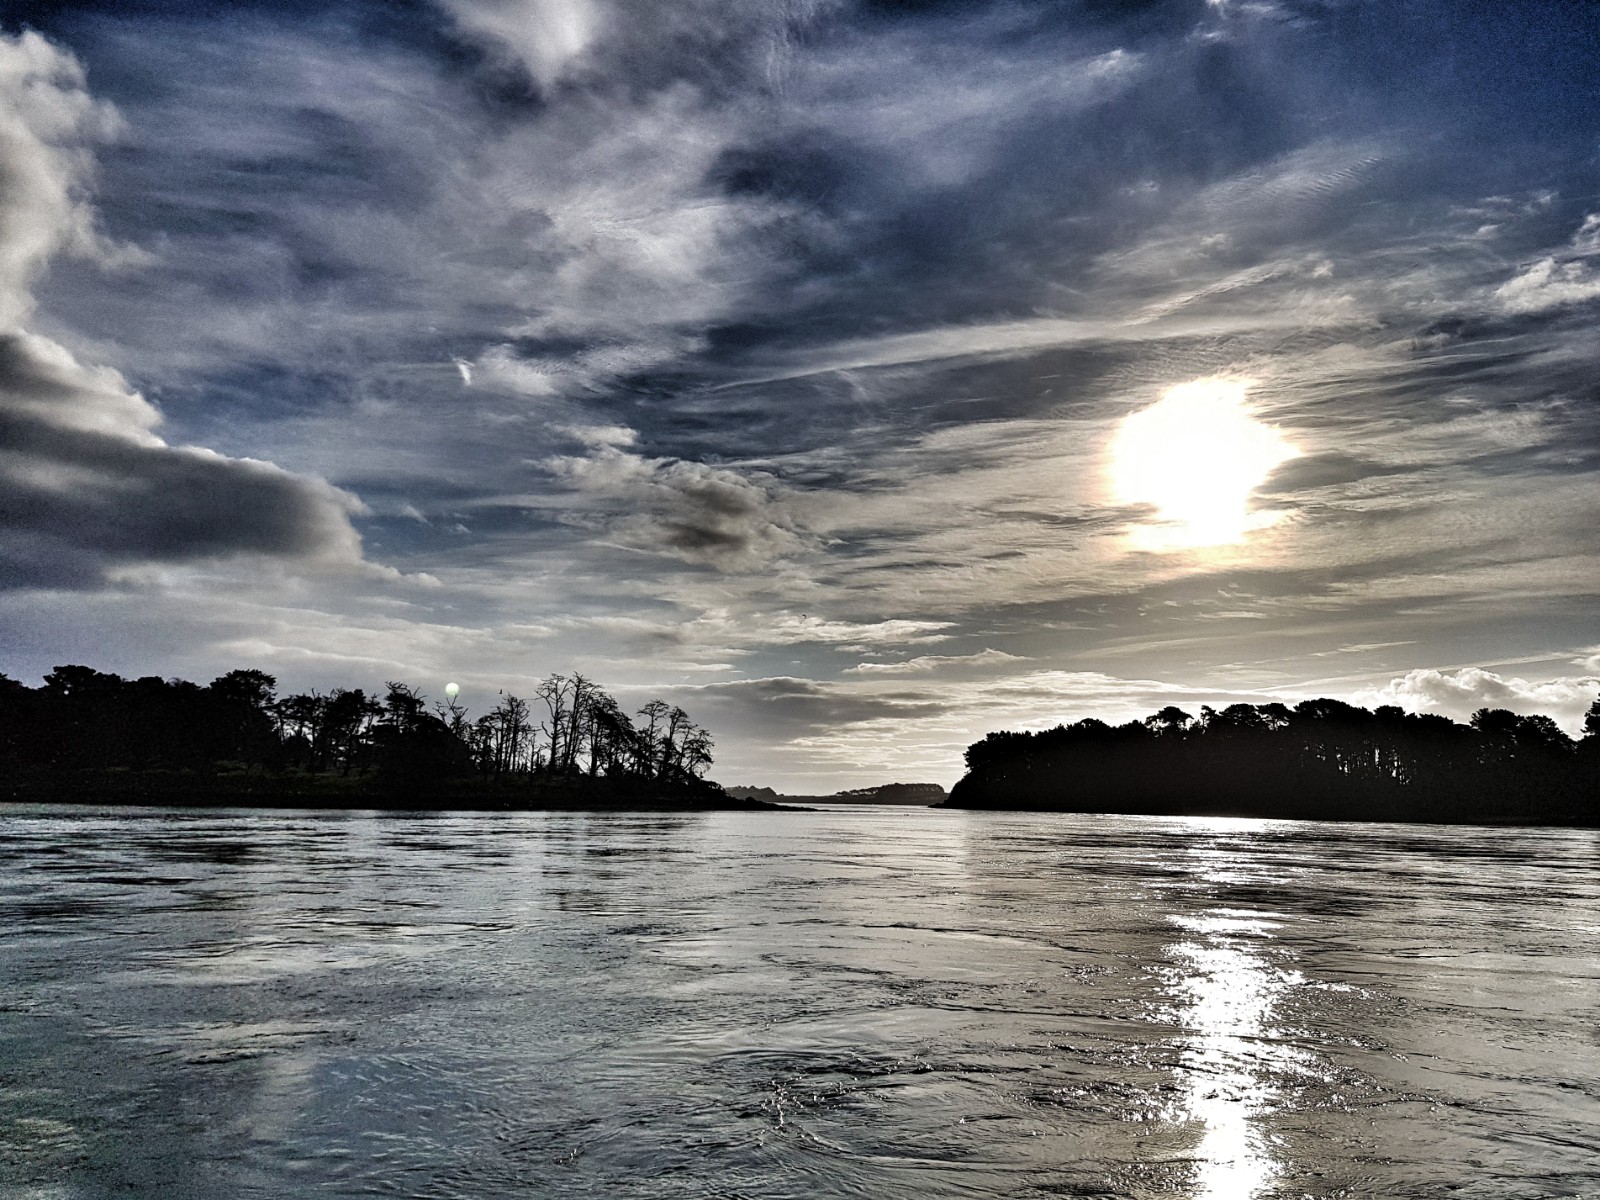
87 736
1319 760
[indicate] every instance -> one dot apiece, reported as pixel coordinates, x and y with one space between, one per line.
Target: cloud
577 44
1557 280
1330 469
576 371
596 436
686 510
626 251
86 485
724 632
48 122
791 629
549 37
926 663
1549 283
1460 693
309 187
83 490
790 707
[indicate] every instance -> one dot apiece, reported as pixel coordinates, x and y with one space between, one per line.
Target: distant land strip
923 794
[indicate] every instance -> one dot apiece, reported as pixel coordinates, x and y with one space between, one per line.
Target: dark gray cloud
80 499
687 510
86 486
1329 469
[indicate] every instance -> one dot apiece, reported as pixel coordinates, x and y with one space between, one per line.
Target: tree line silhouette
1321 759
87 727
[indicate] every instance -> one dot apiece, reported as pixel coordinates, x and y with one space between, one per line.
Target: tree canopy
82 720
1322 758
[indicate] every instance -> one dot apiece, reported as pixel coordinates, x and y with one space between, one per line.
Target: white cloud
791 629
1547 284
549 37
1556 280
725 632
1459 693
48 124
595 436
925 663
621 246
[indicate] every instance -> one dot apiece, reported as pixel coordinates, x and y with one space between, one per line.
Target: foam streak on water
900 1003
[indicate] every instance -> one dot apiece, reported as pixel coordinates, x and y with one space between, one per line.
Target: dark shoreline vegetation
89 737
1321 760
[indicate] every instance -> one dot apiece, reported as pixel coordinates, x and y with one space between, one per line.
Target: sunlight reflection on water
1231 991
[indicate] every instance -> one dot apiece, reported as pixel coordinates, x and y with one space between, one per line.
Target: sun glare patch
1195 456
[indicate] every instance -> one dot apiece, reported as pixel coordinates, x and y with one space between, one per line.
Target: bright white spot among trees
451 691
1196 456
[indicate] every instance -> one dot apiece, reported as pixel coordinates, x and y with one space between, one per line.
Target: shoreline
1489 821
129 789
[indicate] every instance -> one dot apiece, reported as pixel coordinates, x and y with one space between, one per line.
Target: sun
1196 455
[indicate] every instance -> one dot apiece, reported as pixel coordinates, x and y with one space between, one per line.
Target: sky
861 375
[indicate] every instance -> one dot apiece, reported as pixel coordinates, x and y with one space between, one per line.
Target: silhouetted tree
556 693
504 737
1170 720
412 749
247 715
347 718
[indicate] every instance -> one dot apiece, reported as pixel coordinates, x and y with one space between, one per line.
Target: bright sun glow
1196 456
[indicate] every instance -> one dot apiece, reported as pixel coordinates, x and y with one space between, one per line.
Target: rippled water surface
880 1003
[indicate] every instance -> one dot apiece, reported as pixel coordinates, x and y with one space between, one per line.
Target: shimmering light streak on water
1231 993
876 1003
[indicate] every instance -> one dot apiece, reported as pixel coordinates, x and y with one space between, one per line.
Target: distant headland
86 736
1320 760
924 794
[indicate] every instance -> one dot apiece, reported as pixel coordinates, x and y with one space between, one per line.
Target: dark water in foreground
900 1003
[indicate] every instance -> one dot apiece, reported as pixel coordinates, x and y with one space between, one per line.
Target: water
900 1003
